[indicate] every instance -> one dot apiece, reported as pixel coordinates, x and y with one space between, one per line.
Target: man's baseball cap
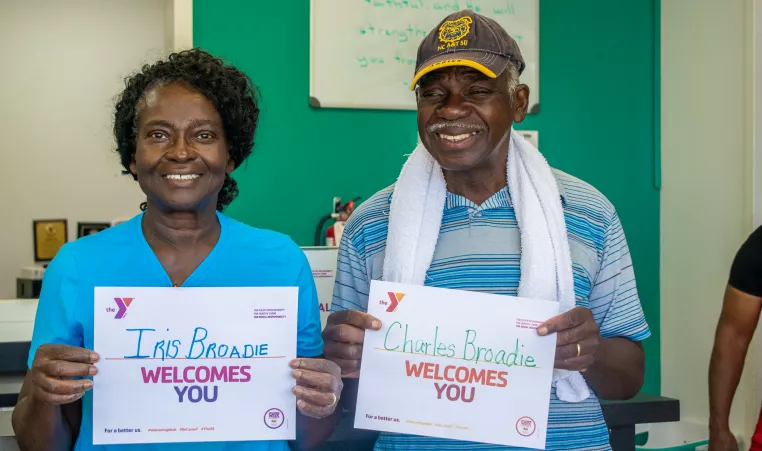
467 39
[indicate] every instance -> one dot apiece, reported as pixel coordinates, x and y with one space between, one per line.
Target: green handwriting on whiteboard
505 7
441 5
366 61
401 35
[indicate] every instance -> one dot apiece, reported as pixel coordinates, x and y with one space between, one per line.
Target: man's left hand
318 386
577 340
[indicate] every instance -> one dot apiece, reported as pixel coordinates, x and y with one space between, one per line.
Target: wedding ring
335 400
579 350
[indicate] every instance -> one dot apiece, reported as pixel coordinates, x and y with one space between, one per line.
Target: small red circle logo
274 418
525 426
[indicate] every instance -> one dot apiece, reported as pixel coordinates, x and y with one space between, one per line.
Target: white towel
546 272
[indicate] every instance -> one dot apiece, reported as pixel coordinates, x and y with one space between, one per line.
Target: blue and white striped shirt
478 249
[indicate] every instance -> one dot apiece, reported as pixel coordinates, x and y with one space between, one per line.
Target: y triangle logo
395 299
122 304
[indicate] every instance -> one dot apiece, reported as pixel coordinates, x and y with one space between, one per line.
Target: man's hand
53 370
318 386
723 440
577 341
343 336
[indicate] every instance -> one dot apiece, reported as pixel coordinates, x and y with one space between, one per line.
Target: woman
181 126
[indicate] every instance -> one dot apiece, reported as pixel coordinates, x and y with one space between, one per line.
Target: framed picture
49 236
91 228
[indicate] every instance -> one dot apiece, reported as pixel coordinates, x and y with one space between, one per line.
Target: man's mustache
439 126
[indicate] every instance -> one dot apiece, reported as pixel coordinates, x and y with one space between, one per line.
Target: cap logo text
452 32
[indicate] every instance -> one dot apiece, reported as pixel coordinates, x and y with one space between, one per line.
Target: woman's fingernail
298 391
93 371
94 357
301 404
88 384
297 374
376 324
542 330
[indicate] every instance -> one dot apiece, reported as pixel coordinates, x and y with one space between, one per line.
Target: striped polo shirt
478 249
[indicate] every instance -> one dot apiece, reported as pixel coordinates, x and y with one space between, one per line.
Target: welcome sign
457 364
194 364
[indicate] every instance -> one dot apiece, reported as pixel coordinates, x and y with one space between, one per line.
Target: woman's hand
53 370
318 386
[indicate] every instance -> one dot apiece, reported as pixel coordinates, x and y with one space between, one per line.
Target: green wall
596 121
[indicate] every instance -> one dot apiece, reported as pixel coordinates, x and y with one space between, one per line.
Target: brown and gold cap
467 39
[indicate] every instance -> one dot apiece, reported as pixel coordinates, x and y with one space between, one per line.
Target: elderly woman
181 127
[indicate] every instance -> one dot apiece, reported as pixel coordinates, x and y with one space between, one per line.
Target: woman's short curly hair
229 89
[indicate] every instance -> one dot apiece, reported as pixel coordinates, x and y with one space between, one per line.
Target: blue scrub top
120 256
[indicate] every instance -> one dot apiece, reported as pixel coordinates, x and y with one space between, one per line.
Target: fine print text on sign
457 364
194 364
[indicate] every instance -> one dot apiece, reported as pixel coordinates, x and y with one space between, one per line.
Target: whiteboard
362 52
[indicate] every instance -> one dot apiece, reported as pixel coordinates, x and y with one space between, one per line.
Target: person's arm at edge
735 329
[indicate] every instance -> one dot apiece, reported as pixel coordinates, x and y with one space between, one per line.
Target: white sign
194 364
323 264
457 364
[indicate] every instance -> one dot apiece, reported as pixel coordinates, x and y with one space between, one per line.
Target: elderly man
490 188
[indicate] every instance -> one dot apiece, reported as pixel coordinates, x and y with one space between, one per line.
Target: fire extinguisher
340 214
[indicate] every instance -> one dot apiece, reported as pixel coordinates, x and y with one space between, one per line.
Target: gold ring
579 350
335 400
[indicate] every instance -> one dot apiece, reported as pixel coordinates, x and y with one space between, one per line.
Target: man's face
463 115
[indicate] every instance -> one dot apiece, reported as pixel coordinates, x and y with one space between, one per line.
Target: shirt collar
500 199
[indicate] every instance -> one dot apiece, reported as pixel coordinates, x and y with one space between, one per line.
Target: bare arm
740 313
42 426
312 432
619 369
49 410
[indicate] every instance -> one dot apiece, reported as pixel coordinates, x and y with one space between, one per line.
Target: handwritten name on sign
181 364
466 376
193 376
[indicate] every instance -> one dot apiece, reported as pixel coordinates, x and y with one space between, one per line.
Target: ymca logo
121 304
395 299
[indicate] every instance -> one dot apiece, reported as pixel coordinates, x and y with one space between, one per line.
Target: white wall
756 121
63 62
706 197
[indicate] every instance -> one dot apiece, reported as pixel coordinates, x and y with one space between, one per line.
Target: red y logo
122 303
396 298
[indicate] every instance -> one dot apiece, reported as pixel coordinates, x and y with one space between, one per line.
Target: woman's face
181 156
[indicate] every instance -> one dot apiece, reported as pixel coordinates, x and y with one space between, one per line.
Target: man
735 329
469 96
